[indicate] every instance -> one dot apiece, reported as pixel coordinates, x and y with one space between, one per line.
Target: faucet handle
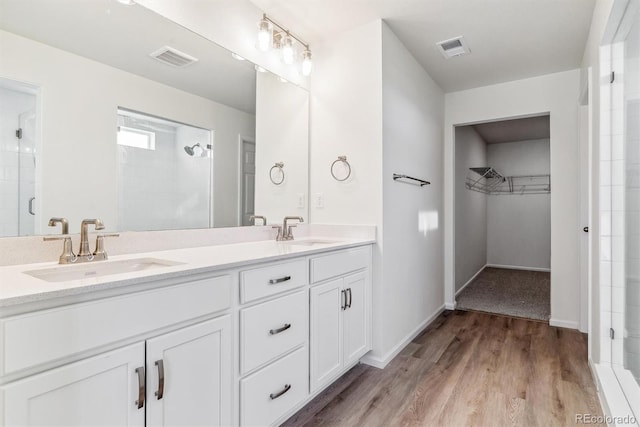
56 237
279 236
67 255
100 253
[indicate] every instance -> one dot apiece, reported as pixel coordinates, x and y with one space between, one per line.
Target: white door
584 218
326 302
189 376
356 341
248 180
101 390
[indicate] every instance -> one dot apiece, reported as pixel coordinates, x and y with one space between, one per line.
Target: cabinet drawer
339 263
273 391
271 329
43 336
272 279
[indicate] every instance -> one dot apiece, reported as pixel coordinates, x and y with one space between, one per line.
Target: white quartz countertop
17 287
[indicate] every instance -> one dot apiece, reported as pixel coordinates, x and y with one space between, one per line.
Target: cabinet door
101 390
356 317
195 366
326 332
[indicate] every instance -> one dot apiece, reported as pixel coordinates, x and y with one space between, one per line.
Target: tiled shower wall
17 165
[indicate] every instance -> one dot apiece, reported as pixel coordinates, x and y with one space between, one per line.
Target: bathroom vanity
238 334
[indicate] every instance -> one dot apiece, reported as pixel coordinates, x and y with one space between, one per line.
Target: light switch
301 200
319 200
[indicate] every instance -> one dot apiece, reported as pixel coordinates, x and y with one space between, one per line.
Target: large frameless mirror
113 111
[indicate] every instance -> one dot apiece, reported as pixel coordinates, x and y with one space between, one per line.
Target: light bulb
306 63
287 50
264 35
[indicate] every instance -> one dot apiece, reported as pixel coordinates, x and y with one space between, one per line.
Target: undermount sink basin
311 242
99 269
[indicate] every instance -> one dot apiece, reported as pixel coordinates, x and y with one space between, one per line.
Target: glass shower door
631 349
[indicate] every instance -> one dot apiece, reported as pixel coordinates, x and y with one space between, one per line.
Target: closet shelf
489 181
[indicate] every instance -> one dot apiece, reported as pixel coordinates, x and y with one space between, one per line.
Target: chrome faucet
253 218
85 254
287 230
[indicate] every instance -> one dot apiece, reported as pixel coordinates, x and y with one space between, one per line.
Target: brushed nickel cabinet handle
141 383
286 388
350 298
160 365
343 299
282 329
279 280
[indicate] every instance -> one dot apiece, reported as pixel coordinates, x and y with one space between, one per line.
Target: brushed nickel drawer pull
160 365
343 299
286 388
282 329
350 298
141 391
279 280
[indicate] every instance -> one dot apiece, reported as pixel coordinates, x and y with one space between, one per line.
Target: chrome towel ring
278 180
343 160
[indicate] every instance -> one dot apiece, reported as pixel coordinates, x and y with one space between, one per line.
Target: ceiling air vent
453 47
175 58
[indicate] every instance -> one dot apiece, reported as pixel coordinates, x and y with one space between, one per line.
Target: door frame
241 140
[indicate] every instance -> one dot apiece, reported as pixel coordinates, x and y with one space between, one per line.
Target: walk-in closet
503 217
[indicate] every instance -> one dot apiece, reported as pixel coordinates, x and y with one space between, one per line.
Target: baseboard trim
519 267
612 399
450 305
569 324
470 280
381 362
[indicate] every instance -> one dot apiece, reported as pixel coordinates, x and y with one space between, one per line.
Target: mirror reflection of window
164 173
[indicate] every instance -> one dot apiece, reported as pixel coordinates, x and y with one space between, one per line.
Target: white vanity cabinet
274 336
178 377
99 389
340 313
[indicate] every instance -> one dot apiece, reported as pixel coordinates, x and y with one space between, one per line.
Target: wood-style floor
467 369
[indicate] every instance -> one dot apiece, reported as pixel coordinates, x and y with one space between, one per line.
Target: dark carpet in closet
519 293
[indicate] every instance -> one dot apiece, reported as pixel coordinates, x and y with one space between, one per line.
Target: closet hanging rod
418 181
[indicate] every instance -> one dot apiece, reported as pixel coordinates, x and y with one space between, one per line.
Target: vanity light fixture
306 62
272 35
264 34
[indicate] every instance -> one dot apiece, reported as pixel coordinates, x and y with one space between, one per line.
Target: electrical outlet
319 200
301 200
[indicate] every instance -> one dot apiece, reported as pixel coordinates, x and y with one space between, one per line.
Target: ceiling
509 39
514 130
124 36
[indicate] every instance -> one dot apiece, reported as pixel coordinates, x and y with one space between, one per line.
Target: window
136 138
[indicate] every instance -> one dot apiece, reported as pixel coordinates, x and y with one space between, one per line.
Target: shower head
190 150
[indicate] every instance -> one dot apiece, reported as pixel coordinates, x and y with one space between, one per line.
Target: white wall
78 127
519 226
282 135
556 94
412 115
471 207
230 23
